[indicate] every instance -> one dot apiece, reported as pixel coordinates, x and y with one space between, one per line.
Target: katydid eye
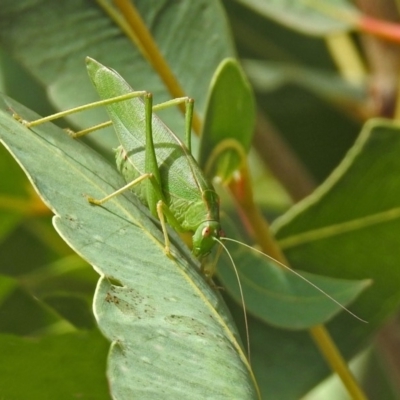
206 232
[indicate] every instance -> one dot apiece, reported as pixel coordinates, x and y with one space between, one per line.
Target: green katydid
157 165
175 188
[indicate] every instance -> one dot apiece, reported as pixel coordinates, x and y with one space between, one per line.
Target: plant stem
386 30
122 23
347 58
333 357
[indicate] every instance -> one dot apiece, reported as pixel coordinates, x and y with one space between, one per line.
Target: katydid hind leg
188 123
153 187
165 215
160 212
189 106
154 193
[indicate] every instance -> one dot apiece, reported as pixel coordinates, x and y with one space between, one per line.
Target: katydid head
204 237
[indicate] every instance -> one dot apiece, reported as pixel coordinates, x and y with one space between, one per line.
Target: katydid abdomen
190 200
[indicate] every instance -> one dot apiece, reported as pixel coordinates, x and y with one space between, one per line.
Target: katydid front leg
160 206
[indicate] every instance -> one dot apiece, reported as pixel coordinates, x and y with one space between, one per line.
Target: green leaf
23 314
356 212
348 228
80 28
311 17
58 294
166 323
268 76
281 298
229 121
55 367
7 286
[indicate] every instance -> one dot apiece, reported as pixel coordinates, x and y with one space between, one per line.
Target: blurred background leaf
307 16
